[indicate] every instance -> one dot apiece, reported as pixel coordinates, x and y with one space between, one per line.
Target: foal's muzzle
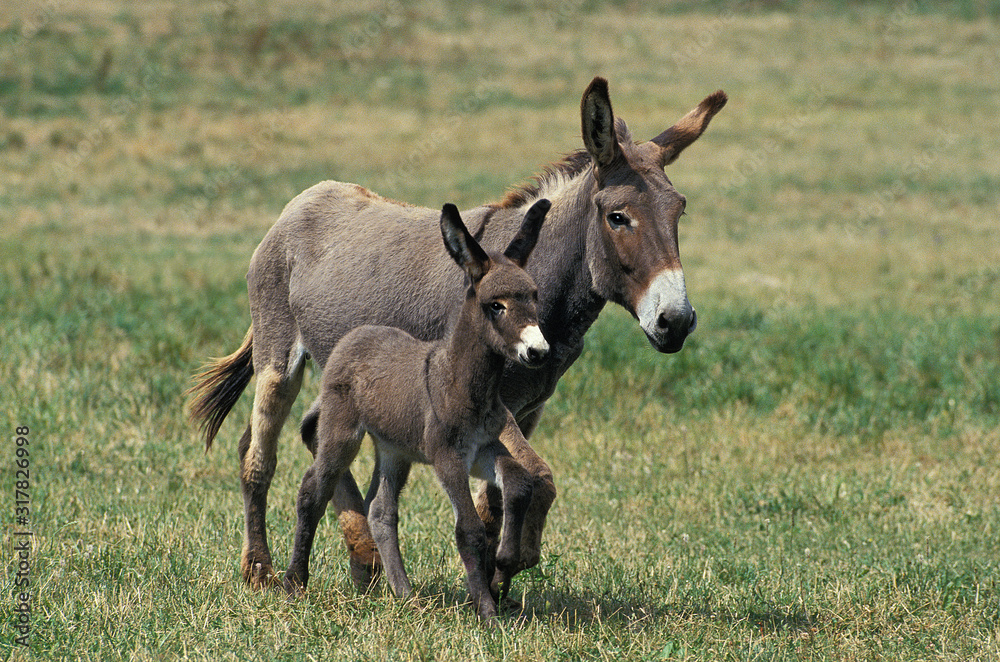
533 349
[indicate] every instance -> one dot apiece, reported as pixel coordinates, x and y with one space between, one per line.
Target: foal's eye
497 308
617 219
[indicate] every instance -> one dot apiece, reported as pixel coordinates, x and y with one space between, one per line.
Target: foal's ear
598 124
461 245
524 241
688 128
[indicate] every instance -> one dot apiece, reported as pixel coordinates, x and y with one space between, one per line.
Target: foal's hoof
510 607
294 590
489 618
364 575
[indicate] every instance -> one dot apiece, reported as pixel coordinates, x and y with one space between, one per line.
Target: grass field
814 477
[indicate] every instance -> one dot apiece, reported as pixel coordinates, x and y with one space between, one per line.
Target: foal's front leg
470 532
516 493
490 499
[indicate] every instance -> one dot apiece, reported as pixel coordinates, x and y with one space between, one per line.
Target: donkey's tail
218 386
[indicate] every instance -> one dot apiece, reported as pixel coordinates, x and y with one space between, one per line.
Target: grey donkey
610 236
435 403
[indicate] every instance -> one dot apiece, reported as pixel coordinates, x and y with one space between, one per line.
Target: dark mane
570 166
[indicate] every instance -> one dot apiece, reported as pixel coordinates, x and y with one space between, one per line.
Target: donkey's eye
496 308
617 220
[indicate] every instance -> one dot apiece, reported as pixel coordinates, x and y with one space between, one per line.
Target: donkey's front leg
470 532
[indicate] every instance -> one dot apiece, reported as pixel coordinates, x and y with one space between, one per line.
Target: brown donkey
611 235
436 403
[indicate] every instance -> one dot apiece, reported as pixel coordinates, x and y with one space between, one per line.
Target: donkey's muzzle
672 329
664 312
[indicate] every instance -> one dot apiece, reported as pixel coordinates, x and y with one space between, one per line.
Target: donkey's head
632 246
506 297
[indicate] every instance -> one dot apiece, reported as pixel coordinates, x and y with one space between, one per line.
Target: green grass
813 477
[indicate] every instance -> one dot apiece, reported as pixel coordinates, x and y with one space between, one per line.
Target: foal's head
505 295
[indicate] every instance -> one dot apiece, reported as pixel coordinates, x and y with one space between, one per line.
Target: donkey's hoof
364 575
260 576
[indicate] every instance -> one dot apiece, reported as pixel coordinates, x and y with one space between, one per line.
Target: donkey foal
435 403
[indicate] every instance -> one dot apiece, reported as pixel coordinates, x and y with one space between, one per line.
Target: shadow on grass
581 610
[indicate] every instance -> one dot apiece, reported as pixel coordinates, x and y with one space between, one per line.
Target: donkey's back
383 255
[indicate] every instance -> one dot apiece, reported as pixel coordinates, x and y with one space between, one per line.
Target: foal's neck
475 367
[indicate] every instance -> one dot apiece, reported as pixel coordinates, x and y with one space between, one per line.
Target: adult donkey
340 256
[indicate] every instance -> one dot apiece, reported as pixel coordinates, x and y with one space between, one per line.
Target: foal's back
380 373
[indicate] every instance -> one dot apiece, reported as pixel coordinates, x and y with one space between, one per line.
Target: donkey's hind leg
276 389
352 513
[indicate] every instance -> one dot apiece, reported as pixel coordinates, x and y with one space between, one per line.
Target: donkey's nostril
662 322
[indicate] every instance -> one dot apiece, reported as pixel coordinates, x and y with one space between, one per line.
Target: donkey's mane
568 167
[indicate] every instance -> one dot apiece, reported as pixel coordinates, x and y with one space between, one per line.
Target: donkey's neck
568 304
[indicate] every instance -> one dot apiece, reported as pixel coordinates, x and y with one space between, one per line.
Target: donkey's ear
524 241
673 141
461 245
598 124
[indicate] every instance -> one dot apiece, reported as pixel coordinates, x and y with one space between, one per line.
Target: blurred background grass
813 476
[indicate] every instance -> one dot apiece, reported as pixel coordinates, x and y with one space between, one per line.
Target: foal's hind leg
338 443
352 513
383 519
